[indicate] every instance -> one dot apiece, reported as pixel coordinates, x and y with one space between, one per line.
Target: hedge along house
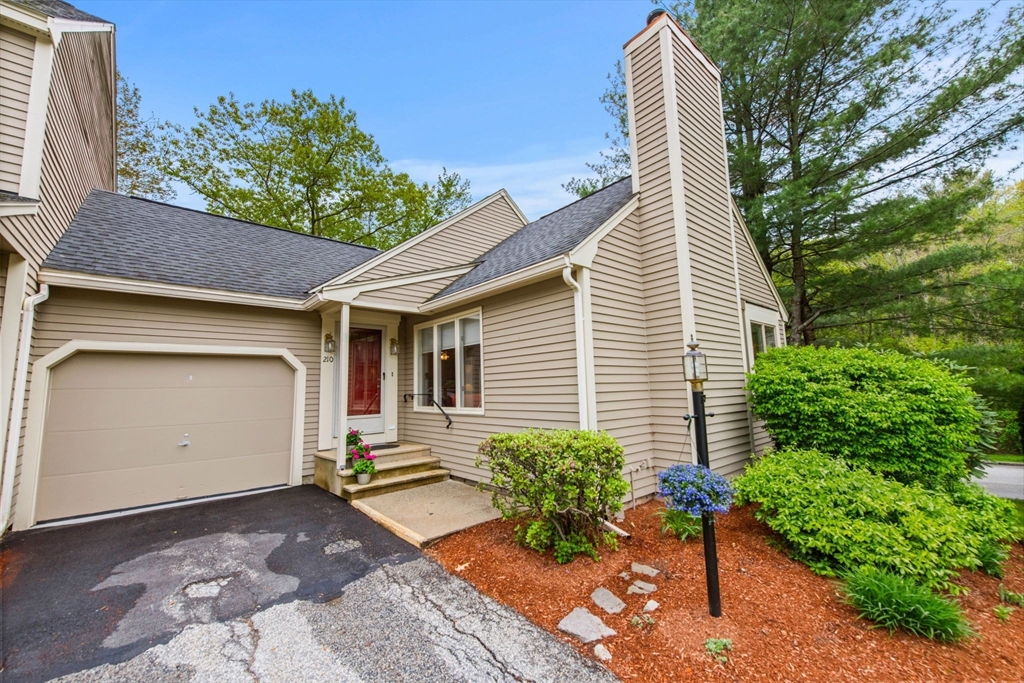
181 354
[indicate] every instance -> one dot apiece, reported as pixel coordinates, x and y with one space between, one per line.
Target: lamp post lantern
695 369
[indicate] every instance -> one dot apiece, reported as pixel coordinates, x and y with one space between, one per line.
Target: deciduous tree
305 165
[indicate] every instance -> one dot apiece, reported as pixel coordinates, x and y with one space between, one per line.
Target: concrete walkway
1005 481
292 586
426 514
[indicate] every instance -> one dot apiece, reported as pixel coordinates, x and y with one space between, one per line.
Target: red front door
364 375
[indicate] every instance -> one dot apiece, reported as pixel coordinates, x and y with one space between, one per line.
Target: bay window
449 363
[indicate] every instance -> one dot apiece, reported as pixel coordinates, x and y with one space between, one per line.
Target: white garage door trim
39 391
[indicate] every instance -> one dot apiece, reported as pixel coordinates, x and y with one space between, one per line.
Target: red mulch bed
786 624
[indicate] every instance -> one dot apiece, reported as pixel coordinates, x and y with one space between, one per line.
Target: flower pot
363 478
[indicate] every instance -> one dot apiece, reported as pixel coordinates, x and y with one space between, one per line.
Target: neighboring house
182 354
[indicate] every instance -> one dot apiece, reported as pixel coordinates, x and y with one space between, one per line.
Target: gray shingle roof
547 237
59 10
6 196
139 239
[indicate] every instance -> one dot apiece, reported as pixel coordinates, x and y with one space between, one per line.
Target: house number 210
328 359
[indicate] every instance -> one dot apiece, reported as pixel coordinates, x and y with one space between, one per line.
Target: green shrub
1009 437
836 517
565 482
906 418
680 523
894 602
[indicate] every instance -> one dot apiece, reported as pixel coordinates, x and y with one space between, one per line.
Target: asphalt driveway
290 585
1005 481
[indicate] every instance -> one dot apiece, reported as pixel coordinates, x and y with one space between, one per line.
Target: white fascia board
584 253
348 292
60 278
413 241
783 310
72 26
24 19
19 209
520 278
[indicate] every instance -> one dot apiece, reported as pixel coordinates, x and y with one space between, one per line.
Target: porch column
342 406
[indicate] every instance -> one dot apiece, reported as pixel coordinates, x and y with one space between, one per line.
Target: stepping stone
642 587
651 606
607 601
625 575
584 625
601 652
645 570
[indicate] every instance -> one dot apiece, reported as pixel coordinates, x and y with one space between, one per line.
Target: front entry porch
400 467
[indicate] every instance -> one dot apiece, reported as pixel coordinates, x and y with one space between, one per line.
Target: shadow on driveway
79 596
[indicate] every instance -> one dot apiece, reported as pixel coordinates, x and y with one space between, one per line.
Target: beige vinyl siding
659 264
620 348
754 287
105 316
405 295
78 152
4 259
17 52
459 243
529 361
709 233
78 147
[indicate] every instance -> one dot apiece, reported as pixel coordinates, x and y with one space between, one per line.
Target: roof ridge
577 201
235 220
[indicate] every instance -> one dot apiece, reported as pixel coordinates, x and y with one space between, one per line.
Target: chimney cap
654 15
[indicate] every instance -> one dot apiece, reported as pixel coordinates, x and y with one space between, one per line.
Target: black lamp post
695 369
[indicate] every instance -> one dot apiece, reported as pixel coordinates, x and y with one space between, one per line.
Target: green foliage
906 418
642 621
575 544
680 523
1010 597
836 518
566 482
896 602
1008 438
1002 612
849 128
304 165
138 148
363 466
716 647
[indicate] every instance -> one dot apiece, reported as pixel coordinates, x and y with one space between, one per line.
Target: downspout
28 317
581 349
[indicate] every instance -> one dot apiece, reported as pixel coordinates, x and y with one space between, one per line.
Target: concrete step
388 468
380 485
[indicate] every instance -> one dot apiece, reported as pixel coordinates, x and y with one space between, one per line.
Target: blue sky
503 92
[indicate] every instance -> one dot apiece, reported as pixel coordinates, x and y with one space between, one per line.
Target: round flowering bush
694 489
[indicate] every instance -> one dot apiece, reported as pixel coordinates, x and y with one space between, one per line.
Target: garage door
116 427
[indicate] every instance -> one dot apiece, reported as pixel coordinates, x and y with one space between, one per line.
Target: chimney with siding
688 238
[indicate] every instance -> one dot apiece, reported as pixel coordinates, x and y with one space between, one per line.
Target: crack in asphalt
422 596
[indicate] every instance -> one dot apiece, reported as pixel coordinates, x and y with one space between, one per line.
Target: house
175 354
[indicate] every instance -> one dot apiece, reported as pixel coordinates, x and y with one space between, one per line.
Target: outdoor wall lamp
695 369
393 346
329 343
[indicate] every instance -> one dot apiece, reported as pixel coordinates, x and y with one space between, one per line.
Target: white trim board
39 390
783 310
413 241
349 292
60 278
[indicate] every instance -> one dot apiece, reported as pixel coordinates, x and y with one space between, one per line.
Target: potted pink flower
362 462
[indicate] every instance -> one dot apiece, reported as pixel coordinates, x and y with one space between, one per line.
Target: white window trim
437 322
752 313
